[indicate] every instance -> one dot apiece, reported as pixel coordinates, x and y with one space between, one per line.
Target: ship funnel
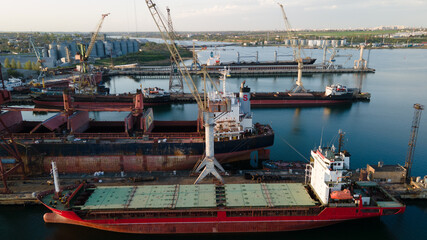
245 99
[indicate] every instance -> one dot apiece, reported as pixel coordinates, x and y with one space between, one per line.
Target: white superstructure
337 89
233 122
329 171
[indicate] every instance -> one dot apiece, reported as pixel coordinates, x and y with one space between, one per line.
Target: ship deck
199 196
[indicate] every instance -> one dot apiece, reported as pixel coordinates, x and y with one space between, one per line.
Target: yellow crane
85 82
209 164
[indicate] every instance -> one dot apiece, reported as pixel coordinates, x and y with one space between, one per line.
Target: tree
34 67
18 64
13 63
27 65
6 63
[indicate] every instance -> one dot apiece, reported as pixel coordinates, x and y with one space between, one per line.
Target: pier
237 70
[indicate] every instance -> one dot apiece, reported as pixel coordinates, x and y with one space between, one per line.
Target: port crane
413 139
176 84
43 69
209 164
296 48
87 82
361 63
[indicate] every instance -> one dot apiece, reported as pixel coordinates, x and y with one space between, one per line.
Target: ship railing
173 135
101 135
35 136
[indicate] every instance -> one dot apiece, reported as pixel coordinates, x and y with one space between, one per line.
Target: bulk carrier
328 197
139 143
333 95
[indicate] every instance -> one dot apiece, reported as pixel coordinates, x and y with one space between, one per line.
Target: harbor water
376 131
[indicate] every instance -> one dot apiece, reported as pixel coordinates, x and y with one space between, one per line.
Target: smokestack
245 98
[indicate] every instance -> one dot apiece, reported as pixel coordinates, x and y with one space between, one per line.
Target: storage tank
116 48
135 46
310 43
130 46
328 43
287 42
109 48
53 52
100 51
124 47
73 48
45 53
62 52
94 53
303 42
334 43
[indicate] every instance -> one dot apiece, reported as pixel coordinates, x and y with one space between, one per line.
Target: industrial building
386 173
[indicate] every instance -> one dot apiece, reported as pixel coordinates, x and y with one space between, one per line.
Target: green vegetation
14 73
6 63
27 65
150 54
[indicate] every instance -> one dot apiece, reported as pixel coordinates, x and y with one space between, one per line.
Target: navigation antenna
413 139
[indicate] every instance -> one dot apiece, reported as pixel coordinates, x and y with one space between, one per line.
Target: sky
213 15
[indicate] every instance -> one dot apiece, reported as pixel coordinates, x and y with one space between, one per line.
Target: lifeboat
341 195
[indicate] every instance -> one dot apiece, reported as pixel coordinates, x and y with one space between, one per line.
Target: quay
236 70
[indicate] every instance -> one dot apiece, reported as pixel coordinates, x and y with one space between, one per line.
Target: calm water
375 131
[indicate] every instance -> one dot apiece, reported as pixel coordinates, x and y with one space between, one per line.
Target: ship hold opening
174 126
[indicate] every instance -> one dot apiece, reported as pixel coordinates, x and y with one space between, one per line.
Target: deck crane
413 139
209 164
175 80
296 48
85 81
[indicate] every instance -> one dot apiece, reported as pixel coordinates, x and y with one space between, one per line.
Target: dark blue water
375 131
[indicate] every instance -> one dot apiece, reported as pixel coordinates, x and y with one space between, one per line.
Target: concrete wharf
236 70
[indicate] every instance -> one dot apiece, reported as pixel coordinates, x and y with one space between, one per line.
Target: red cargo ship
229 208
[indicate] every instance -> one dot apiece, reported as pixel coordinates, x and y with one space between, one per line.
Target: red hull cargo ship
152 97
327 198
334 95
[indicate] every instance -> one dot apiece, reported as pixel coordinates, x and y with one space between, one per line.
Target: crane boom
413 139
290 33
95 35
296 48
176 57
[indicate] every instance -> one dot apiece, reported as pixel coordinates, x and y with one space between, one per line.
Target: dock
236 70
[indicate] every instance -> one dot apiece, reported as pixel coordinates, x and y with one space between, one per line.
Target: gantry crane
209 162
413 139
296 48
